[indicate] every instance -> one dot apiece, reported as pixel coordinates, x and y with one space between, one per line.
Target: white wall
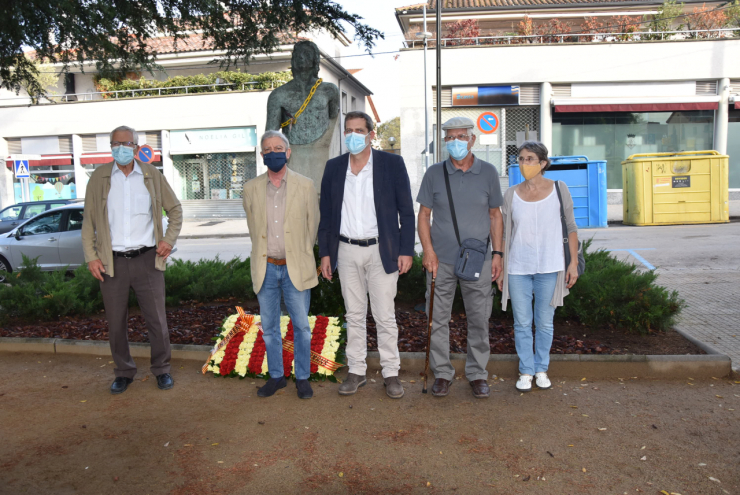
528 64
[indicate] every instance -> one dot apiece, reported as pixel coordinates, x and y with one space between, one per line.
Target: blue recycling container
586 181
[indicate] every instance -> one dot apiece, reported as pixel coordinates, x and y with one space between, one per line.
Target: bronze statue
311 130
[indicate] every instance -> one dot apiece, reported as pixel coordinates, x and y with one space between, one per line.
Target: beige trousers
361 273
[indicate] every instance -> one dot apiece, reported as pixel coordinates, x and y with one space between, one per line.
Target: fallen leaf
712 479
583 469
341 475
429 484
145 378
691 379
643 458
574 407
220 462
643 447
571 445
583 379
550 453
110 362
602 429
214 444
719 397
664 492
83 401
188 445
526 478
372 380
584 415
702 464
167 444
260 422
412 381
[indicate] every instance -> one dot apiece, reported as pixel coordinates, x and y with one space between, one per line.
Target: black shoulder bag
472 253
566 242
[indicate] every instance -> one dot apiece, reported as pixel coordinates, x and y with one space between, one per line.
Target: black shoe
165 381
120 384
272 386
304 389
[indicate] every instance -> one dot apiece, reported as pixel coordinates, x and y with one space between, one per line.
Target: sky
380 73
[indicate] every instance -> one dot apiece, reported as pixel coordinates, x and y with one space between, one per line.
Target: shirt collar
368 166
116 169
475 169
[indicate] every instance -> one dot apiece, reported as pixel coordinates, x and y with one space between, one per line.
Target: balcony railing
132 93
578 38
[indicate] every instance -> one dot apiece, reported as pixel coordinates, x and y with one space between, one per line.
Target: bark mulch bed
196 325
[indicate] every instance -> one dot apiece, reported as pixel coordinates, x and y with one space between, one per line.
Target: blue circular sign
145 154
487 122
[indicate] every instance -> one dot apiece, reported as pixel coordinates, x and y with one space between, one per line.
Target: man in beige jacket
282 214
125 248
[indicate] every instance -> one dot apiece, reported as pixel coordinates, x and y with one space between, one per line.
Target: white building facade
206 144
602 97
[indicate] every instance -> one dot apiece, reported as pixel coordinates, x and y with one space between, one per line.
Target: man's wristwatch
499 253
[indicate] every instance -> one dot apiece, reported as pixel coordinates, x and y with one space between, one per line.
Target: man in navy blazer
365 195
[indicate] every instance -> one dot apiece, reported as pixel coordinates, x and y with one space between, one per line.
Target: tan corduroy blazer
300 227
96 241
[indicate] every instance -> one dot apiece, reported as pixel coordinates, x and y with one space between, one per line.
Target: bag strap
566 243
452 204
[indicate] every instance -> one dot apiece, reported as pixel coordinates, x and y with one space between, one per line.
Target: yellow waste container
675 188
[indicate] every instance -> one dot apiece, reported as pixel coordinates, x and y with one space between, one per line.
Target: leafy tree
388 129
664 20
116 35
466 28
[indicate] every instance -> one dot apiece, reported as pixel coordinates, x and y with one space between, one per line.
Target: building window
733 148
344 103
354 103
213 176
614 136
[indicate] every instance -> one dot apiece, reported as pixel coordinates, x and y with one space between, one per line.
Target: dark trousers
148 284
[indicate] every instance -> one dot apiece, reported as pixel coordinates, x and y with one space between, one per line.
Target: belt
359 242
133 253
275 261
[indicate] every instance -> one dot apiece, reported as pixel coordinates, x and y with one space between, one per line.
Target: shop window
733 148
614 136
213 176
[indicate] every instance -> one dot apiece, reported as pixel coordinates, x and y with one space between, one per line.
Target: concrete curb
566 365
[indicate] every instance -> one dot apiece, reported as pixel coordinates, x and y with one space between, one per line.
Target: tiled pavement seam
712 312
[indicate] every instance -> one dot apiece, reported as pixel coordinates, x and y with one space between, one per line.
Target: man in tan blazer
283 218
125 247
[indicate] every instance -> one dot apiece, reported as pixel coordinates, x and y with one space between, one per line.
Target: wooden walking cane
429 335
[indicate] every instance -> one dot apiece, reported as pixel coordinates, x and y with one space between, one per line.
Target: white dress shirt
358 206
129 210
536 236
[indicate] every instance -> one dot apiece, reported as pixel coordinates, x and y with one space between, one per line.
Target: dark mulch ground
196 325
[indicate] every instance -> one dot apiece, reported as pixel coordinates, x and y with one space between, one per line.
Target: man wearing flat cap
476 196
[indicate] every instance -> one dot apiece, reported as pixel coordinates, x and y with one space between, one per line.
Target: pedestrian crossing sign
21 169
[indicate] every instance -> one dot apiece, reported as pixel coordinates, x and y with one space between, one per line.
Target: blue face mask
123 155
457 149
275 160
355 142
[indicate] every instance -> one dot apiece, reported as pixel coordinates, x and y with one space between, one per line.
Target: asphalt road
225 249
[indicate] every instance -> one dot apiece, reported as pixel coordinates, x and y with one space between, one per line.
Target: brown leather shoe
441 387
480 389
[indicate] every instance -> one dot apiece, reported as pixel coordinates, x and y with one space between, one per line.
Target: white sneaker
542 381
524 384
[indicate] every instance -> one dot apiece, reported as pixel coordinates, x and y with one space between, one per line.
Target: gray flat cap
458 123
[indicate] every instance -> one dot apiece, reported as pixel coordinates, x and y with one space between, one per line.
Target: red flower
258 355
288 356
318 337
230 354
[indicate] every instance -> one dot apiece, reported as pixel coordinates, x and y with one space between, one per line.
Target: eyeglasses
276 149
529 159
461 137
114 144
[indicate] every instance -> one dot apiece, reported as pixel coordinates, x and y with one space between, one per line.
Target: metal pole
438 136
426 99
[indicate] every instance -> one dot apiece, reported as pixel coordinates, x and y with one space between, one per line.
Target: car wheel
4 266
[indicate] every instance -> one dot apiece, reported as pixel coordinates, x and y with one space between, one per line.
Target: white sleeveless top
536 236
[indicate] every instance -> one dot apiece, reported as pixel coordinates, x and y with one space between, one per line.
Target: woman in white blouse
534 261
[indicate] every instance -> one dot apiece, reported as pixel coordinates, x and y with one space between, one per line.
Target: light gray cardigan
560 289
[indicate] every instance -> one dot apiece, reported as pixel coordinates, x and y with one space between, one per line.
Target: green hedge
610 292
265 80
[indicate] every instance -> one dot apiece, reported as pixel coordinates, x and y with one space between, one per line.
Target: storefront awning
45 161
565 105
91 158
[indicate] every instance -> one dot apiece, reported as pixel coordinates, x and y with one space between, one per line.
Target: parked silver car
54 236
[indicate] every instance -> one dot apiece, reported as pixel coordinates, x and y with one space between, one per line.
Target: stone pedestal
310 159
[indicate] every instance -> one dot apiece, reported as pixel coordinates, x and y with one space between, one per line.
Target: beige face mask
530 171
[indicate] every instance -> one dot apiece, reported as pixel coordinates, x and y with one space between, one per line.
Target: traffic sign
487 122
21 169
145 154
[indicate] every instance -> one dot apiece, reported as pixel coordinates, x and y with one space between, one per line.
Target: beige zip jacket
96 241
570 221
300 226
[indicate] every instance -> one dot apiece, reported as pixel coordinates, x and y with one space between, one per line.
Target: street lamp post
425 36
392 142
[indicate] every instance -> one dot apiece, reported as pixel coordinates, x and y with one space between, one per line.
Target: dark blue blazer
393 204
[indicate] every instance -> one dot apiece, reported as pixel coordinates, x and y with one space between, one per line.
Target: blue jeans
297 302
521 290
